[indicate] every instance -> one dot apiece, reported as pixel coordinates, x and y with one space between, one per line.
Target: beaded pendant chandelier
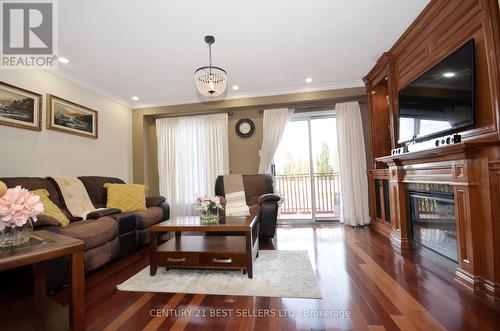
210 81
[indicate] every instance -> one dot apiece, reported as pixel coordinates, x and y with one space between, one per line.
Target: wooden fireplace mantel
472 168
443 152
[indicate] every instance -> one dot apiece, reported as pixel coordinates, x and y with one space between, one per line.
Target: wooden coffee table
233 244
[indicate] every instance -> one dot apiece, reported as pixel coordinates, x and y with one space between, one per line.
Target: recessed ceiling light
373 92
63 60
236 87
309 80
135 98
449 74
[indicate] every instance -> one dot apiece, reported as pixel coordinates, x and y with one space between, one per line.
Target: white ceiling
150 48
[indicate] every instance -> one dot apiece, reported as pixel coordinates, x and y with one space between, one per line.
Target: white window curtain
352 156
192 152
274 125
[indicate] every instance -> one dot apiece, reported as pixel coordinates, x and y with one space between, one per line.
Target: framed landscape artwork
69 117
20 108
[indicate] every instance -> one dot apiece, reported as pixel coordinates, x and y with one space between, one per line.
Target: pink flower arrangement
17 206
208 202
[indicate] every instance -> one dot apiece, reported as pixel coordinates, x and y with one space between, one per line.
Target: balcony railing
296 190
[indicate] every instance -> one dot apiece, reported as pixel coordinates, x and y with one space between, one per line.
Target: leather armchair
268 204
260 198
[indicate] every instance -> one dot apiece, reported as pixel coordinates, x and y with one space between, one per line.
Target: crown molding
254 94
68 75
74 78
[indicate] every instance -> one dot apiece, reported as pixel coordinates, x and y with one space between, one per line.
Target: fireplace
433 224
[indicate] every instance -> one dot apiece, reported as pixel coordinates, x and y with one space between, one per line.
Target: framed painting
69 117
20 108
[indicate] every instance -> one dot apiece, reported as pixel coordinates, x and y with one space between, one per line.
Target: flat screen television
440 101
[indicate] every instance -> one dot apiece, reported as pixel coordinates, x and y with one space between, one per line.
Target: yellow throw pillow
126 197
50 208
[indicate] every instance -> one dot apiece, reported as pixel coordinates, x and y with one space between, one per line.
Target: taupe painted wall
52 153
243 153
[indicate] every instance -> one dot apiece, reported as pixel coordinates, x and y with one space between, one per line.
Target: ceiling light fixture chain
210 40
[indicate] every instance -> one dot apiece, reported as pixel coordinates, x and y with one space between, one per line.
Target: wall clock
245 128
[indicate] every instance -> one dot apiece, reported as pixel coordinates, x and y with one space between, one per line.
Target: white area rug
285 274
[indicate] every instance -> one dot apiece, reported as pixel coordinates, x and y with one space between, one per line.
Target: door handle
178 260
225 261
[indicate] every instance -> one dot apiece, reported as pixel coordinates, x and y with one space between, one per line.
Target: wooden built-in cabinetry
380 208
381 119
467 168
471 167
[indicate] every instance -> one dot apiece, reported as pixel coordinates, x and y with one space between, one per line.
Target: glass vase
14 236
210 214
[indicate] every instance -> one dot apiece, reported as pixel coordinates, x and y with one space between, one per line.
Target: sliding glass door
306 166
293 173
325 168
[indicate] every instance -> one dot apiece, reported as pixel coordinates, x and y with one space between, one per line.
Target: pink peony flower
208 202
17 206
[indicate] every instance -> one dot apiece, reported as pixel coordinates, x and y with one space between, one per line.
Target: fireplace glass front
433 221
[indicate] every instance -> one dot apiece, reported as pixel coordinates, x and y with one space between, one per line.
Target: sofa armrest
269 197
126 222
103 212
166 210
47 223
44 220
154 201
75 218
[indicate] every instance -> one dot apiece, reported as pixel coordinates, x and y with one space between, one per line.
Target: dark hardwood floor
364 284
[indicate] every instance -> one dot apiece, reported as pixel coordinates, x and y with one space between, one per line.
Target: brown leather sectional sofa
107 234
